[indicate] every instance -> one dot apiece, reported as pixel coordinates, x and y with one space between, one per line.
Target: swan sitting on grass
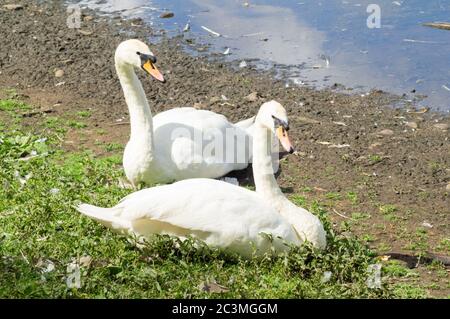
172 146
221 214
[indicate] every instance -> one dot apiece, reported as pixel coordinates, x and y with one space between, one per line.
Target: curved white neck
263 174
141 121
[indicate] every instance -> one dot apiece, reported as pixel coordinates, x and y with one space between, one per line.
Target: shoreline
393 176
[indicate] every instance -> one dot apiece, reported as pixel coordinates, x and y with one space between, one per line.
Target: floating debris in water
421 41
187 27
227 51
326 59
211 31
243 64
438 25
253 34
166 15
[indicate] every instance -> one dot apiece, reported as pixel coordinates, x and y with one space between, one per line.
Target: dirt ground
382 173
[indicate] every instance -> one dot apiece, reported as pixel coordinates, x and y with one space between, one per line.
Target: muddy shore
382 173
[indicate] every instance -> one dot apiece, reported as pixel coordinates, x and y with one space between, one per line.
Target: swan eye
146 57
280 123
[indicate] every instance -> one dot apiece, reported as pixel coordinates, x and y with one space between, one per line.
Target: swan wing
193 143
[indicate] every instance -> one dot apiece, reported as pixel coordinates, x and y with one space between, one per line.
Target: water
319 42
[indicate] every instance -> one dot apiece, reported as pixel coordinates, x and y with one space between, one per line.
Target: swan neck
263 172
141 121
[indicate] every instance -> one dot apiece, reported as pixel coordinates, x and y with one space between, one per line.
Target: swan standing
177 144
221 214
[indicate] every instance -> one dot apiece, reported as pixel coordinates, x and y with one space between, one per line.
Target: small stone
13 7
307 120
412 125
243 64
136 21
386 132
214 99
374 145
59 73
166 15
198 105
301 154
252 97
85 261
447 187
441 126
427 224
85 32
212 287
88 18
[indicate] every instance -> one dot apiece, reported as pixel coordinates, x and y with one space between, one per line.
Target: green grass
76 124
375 158
41 235
13 105
84 114
353 198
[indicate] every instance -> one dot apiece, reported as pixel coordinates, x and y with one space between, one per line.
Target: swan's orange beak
284 139
151 69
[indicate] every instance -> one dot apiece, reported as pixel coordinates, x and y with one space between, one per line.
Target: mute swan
177 144
219 213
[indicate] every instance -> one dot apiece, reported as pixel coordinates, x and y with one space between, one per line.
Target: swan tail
105 216
246 124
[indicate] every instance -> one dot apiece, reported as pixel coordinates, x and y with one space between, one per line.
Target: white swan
177 144
221 214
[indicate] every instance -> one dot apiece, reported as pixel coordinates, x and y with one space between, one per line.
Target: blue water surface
318 43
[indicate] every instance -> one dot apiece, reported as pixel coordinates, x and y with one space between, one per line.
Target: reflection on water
323 42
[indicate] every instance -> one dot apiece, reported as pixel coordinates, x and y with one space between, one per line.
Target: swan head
137 54
273 116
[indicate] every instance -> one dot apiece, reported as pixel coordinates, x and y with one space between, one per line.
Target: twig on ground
342 215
